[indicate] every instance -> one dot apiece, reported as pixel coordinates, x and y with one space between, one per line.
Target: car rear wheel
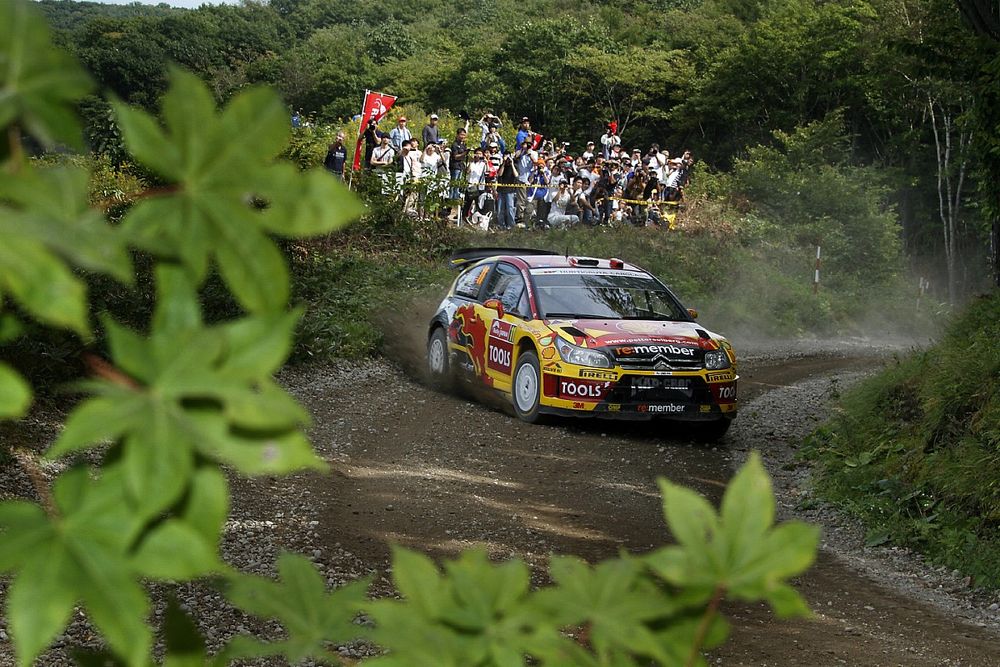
711 431
438 362
527 387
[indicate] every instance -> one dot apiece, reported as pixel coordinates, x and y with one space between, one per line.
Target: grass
914 452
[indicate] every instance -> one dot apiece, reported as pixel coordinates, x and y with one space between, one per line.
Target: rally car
580 336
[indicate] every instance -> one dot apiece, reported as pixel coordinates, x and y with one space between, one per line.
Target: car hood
611 333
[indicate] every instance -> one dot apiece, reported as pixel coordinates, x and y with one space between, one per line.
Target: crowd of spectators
534 183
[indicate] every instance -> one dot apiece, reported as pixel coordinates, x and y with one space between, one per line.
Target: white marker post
816 276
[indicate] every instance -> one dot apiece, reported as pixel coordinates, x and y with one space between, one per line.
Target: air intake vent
573 331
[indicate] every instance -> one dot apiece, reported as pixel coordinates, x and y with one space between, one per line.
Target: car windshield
619 295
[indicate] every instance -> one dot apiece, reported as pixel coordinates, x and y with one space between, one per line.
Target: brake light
616 263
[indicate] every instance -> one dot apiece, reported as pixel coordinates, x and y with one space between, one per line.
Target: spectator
524 161
582 200
399 134
610 139
459 156
588 152
383 154
494 158
485 208
525 134
561 200
336 157
507 183
475 180
412 170
537 206
430 133
373 137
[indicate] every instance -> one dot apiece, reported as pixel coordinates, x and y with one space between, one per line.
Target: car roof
568 261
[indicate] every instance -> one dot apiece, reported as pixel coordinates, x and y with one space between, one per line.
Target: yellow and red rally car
580 336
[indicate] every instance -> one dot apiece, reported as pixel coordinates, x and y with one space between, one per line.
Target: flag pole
361 129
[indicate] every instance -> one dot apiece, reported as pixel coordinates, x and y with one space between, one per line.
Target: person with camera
490 127
507 187
559 215
524 133
373 139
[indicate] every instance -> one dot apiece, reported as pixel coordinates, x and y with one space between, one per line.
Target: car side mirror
693 313
494 304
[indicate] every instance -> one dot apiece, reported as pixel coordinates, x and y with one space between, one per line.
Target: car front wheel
527 388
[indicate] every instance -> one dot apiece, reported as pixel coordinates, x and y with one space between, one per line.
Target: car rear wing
465 256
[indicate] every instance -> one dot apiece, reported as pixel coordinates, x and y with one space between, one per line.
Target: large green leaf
51 206
313 619
39 84
192 390
42 284
15 394
76 555
220 168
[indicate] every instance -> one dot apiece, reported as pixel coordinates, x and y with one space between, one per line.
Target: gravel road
441 473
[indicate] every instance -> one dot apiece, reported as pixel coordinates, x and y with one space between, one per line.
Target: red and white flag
375 108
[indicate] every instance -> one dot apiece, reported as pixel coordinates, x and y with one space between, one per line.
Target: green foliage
915 450
814 198
661 607
179 402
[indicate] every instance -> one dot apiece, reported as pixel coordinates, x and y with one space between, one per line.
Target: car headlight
581 356
717 360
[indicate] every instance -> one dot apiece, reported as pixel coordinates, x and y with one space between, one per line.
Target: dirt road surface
440 473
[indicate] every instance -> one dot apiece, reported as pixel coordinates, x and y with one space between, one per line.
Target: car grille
653 389
661 362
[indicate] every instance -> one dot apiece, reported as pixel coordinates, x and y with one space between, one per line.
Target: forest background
866 126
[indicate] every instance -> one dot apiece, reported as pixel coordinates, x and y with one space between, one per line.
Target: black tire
526 388
711 431
439 372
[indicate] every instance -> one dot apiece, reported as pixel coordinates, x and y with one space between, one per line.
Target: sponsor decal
728 376
584 390
548 352
633 340
553 271
647 382
502 330
592 374
500 356
725 392
614 407
471 334
705 408
664 409
639 326
552 367
641 350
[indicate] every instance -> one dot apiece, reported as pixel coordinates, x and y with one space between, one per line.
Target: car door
468 331
504 305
